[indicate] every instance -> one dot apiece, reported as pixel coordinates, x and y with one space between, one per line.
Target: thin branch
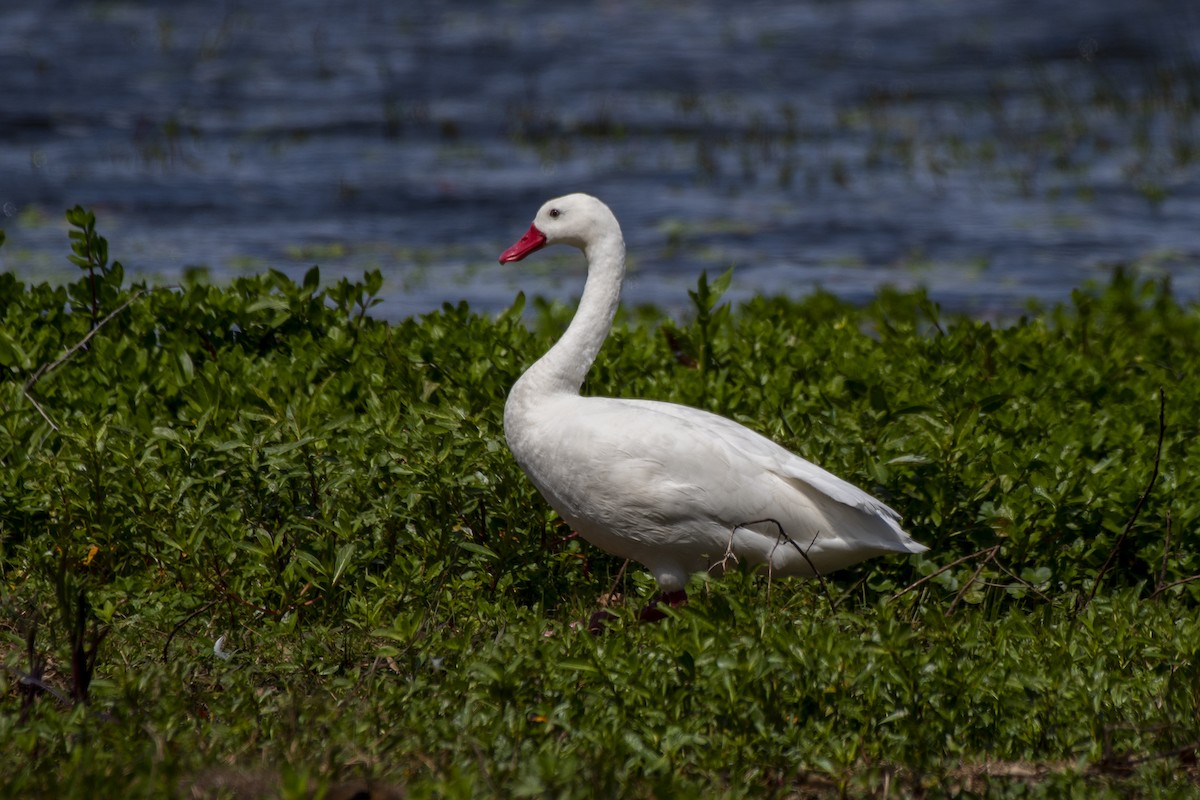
783 534
612 590
1137 510
974 576
46 369
1173 584
199 610
991 551
31 680
1019 580
40 410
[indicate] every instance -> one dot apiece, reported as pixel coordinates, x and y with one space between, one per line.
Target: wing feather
771 456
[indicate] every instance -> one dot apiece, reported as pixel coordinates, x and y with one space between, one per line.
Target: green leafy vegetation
256 542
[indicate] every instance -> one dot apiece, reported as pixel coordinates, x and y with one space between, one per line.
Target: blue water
991 150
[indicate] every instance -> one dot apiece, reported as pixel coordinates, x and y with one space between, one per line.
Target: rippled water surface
991 150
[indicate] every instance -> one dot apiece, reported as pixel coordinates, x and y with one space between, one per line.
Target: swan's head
574 219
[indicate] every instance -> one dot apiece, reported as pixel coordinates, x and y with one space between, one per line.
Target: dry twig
47 368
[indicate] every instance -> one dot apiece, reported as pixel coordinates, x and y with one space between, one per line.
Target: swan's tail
910 545
897 540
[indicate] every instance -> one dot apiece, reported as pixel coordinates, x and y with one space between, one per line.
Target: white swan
677 489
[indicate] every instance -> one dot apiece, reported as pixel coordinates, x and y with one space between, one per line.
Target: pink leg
652 613
598 622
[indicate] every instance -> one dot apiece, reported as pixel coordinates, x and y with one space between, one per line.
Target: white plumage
675 488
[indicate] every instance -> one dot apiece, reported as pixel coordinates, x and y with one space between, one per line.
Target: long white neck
566 364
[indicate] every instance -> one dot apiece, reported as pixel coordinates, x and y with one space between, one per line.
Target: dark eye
554 213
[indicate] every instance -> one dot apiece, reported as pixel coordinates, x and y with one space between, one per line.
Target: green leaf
312 279
373 280
517 309
344 554
11 353
312 562
478 549
77 217
100 250
166 432
721 284
186 366
269 302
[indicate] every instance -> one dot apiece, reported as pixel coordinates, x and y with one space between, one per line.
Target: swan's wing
672 487
773 457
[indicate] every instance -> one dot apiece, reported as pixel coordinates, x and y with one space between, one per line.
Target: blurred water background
991 150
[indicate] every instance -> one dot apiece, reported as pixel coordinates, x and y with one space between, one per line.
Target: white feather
675 488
